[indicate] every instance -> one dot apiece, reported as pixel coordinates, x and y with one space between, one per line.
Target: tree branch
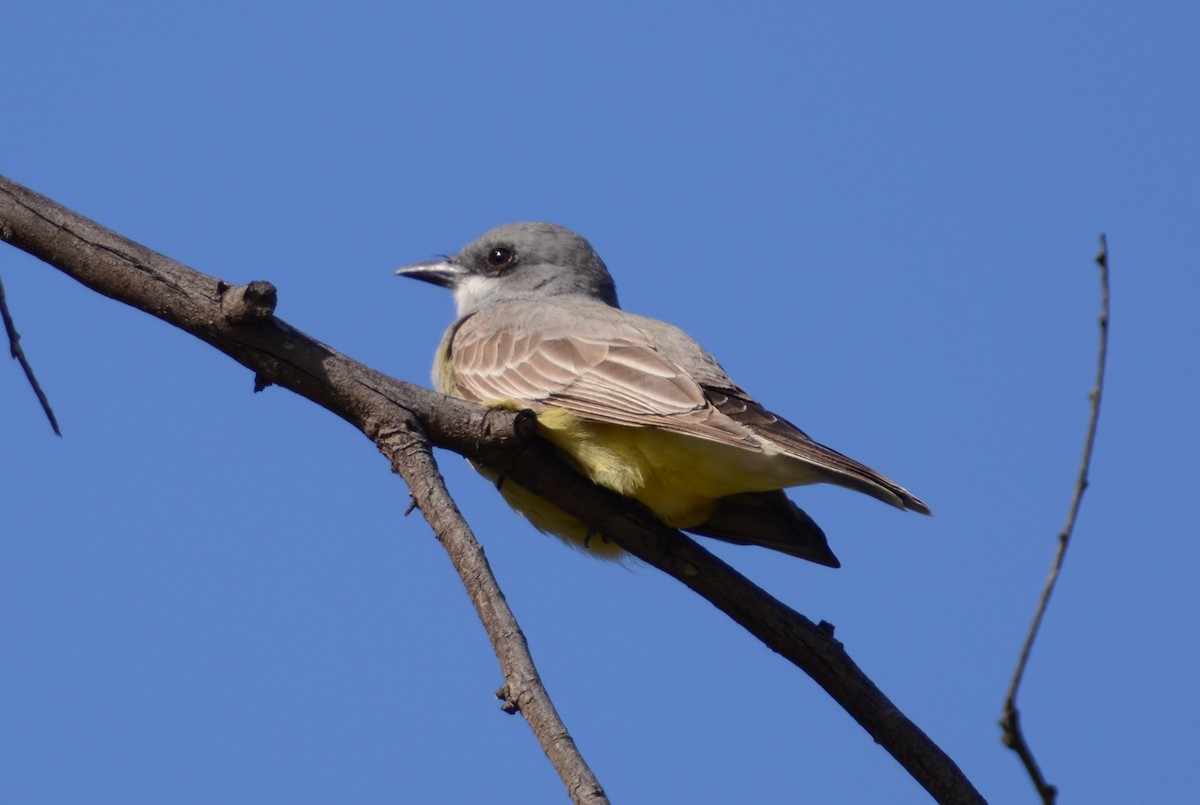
397 415
410 455
1010 722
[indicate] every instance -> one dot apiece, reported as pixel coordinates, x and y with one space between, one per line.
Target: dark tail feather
771 520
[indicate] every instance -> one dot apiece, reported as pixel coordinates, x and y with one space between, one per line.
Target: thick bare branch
239 320
385 409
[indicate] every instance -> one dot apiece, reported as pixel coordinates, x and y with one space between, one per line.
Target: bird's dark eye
501 257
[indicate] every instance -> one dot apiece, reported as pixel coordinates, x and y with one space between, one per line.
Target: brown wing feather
616 375
618 380
839 469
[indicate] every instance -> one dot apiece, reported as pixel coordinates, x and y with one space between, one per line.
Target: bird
634 404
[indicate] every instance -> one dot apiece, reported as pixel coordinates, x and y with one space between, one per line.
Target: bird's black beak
444 272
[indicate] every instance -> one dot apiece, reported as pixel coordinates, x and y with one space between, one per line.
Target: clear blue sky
880 218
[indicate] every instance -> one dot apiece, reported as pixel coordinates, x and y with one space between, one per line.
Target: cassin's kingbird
634 404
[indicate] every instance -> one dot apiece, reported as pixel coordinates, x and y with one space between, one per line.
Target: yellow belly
678 477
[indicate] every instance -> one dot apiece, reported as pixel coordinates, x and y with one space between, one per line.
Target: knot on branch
502 429
525 427
508 702
247 304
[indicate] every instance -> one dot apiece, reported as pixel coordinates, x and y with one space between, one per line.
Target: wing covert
617 377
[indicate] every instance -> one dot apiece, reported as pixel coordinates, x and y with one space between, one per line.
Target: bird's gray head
519 262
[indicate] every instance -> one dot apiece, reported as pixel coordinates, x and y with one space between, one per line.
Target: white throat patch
471 293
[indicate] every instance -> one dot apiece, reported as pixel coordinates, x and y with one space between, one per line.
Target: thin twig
14 347
1010 722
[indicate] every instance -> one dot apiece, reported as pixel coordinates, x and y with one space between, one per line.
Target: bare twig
386 409
14 347
523 691
1010 723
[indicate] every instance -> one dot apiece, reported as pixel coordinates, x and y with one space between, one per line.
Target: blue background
880 218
